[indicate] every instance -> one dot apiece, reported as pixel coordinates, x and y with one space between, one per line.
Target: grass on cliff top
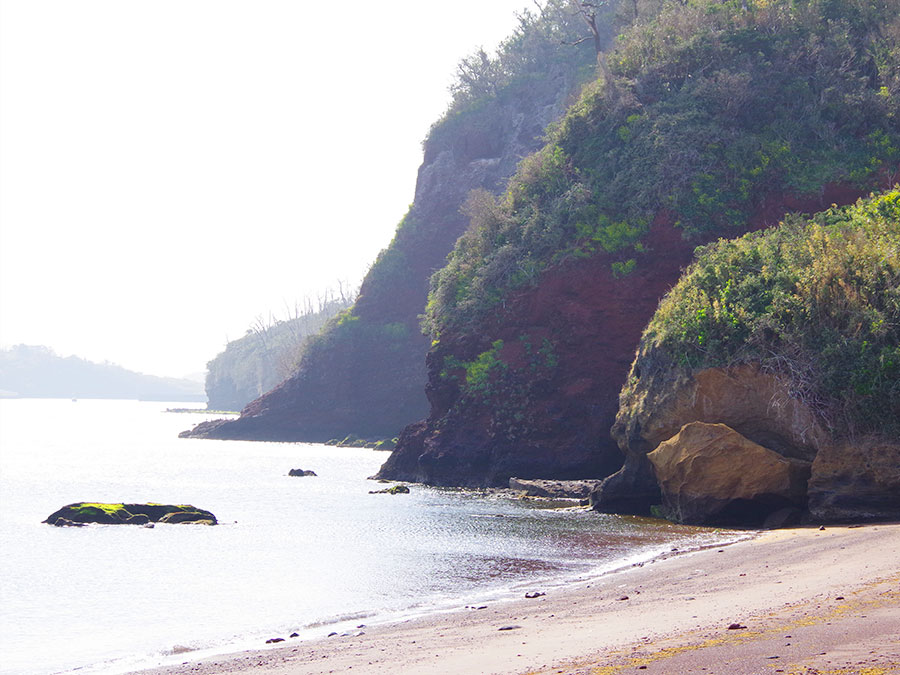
816 301
712 107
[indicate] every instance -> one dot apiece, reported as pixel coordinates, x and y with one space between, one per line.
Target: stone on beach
711 473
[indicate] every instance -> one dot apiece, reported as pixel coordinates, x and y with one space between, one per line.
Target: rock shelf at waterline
82 513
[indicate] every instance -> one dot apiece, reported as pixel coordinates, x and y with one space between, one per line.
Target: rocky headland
365 373
548 257
537 315
769 379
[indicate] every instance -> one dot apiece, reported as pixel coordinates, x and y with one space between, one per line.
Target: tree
587 10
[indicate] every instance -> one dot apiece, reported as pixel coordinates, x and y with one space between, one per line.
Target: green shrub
504 390
815 300
714 109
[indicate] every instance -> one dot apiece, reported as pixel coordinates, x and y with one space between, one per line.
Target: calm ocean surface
311 555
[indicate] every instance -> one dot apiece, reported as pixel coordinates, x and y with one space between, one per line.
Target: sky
172 172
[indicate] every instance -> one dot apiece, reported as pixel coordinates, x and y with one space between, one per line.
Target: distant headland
28 371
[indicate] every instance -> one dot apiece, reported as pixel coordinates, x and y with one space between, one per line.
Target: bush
713 109
817 301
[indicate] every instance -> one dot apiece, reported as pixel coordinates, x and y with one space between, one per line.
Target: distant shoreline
161 398
35 371
802 600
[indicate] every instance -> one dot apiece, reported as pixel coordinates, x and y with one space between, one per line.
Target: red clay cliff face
560 427
555 424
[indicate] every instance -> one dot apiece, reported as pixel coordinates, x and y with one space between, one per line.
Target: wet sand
803 602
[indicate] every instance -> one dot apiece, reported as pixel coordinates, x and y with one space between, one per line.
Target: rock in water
81 513
709 473
301 472
192 517
394 490
64 522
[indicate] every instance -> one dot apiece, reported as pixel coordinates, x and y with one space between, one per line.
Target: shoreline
835 592
694 539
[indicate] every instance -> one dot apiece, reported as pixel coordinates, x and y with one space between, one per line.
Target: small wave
340 618
178 649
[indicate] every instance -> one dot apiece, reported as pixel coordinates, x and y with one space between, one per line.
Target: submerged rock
80 513
192 517
64 522
139 519
394 490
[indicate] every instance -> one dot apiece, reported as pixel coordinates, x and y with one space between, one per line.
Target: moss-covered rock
385 444
128 514
393 490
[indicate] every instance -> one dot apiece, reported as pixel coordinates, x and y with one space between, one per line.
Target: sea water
310 555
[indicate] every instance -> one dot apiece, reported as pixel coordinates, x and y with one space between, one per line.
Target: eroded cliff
707 123
785 342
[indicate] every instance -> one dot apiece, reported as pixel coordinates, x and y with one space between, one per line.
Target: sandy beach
802 601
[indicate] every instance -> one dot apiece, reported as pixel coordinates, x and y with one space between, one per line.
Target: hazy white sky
171 170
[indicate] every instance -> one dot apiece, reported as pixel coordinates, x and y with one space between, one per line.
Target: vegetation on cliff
710 110
543 50
269 352
786 340
365 374
709 119
816 302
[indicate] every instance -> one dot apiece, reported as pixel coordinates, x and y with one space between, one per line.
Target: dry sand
808 601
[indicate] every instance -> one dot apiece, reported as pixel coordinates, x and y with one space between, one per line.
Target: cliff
546 405
713 121
269 352
781 345
365 373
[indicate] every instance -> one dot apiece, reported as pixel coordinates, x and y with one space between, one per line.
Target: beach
803 601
